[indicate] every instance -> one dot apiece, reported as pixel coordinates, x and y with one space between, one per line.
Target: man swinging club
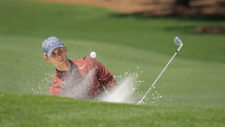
82 78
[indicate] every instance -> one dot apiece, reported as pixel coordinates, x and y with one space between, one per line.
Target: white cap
51 43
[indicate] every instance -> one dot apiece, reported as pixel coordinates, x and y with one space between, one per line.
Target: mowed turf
101 25
192 88
31 111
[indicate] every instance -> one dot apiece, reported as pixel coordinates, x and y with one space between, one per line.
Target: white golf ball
93 54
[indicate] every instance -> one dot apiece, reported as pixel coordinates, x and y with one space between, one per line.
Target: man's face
58 57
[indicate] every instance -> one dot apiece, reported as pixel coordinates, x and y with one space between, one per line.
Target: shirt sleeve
57 88
104 76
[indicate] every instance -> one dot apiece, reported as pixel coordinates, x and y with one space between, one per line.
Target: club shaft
142 99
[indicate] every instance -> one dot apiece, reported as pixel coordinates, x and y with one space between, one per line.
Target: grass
51 111
192 87
94 24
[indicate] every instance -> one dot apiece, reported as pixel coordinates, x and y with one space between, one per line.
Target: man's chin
62 62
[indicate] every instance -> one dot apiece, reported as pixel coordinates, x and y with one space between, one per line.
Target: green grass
29 111
192 87
93 24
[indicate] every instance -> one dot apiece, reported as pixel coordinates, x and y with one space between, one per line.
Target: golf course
190 93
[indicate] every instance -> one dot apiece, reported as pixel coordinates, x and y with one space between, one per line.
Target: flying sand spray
125 90
116 97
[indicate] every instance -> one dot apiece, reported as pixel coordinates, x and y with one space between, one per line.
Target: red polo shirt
88 78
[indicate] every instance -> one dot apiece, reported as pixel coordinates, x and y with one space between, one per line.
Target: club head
178 41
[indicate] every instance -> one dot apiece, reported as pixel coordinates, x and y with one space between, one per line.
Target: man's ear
46 58
65 48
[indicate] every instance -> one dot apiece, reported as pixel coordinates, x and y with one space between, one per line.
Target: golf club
177 41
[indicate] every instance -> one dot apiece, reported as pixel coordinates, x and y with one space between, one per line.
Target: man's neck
65 67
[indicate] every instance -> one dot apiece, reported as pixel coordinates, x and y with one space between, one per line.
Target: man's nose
59 54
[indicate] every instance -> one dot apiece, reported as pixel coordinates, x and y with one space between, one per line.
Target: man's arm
57 88
104 76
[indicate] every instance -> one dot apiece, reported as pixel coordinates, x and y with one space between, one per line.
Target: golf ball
93 54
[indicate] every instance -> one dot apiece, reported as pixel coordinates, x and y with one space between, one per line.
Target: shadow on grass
182 29
217 20
213 18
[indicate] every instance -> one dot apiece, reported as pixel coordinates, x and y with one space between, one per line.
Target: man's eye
60 52
53 54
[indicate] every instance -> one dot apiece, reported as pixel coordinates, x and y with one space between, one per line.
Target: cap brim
50 51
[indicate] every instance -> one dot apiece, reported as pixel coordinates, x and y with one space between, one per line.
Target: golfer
83 78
